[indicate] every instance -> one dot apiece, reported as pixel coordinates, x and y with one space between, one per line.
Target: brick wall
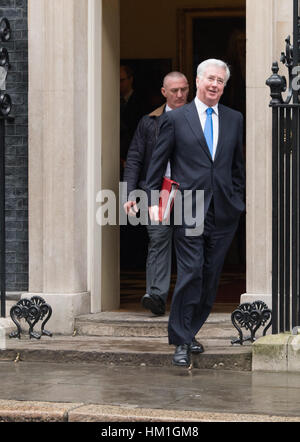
16 154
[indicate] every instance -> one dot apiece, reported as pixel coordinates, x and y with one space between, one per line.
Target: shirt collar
202 107
126 97
168 108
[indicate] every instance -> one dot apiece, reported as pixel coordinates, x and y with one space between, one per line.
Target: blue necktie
208 131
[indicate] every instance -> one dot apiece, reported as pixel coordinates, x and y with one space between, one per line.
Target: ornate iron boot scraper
32 310
251 317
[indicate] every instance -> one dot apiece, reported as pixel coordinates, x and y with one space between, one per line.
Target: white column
104 150
58 157
268 24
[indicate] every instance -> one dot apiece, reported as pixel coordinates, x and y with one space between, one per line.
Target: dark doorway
227 42
231 48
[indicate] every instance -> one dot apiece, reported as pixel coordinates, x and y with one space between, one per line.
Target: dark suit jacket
182 140
140 151
130 114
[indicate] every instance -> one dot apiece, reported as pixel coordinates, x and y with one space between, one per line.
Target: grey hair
213 62
173 75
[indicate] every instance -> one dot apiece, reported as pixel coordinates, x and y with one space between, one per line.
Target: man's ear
130 80
163 91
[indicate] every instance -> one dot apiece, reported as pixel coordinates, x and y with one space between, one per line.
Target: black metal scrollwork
251 316
290 58
5 104
5 99
5 29
5 109
32 310
4 58
287 59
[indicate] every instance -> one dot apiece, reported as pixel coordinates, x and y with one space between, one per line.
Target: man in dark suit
131 109
203 139
158 267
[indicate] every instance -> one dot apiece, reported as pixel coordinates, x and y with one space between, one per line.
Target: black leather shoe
196 347
154 303
182 356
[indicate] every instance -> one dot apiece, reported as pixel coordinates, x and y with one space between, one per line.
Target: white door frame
103 149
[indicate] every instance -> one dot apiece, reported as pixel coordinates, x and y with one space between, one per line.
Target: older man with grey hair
204 141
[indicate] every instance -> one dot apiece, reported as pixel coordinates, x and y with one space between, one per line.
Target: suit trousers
200 261
159 258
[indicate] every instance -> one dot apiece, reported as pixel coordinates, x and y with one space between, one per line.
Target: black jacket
130 115
140 151
181 140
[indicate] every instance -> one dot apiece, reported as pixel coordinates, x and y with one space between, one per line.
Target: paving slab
98 413
30 411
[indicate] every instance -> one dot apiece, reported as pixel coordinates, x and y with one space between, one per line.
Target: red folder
166 199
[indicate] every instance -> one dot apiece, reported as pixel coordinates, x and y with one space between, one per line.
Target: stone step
155 352
130 338
122 324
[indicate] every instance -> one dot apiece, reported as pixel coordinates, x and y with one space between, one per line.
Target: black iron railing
285 274
285 186
5 108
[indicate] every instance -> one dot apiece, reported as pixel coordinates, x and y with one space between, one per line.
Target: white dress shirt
201 108
168 169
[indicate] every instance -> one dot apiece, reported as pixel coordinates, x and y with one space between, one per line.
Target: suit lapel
192 117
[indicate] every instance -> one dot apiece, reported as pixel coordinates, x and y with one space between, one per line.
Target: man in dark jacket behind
158 268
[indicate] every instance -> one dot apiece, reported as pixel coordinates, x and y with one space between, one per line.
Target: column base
277 353
248 297
65 308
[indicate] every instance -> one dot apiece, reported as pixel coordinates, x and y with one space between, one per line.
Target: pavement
117 368
84 392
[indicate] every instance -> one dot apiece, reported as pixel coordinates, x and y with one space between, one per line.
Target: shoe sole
196 351
177 364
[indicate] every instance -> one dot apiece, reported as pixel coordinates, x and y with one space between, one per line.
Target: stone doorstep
31 411
6 327
143 329
144 318
119 338
124 324
219 353
143 325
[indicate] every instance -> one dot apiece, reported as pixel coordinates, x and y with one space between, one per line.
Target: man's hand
153 213
131 208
